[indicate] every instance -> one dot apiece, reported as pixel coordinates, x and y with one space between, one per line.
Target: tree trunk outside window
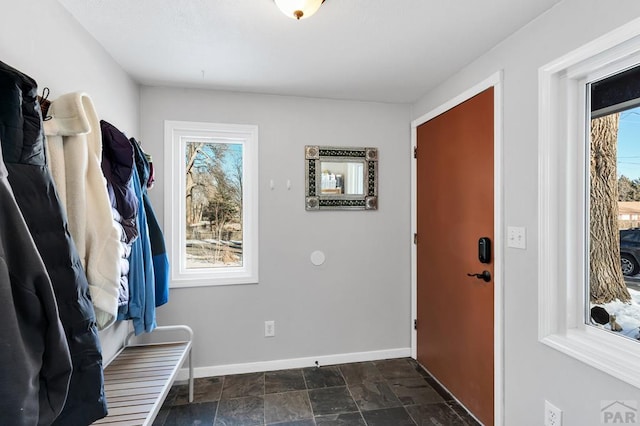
606 279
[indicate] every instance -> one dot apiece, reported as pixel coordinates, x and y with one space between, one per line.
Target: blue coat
142 302
158 248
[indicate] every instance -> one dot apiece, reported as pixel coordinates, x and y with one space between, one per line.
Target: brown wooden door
455 209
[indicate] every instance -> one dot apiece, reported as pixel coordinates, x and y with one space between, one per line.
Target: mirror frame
314 200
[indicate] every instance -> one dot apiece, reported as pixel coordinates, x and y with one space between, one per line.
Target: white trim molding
495 81
284 364
177 135
562 204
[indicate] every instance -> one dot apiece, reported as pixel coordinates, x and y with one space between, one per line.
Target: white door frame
495 81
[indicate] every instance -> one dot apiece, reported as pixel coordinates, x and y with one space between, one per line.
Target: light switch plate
517 237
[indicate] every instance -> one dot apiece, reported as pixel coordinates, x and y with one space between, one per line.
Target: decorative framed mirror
341 178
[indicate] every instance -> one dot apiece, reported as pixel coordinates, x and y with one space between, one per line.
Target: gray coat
34 356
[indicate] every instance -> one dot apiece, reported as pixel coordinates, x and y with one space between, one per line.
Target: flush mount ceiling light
299 9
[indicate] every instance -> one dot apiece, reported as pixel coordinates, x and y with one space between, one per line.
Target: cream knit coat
74 150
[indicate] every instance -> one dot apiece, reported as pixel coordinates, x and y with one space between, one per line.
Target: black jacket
22 141
35 366
117 166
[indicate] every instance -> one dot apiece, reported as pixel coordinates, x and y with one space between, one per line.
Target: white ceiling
370 50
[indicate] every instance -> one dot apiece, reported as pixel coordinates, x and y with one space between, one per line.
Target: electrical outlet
269 328
552 415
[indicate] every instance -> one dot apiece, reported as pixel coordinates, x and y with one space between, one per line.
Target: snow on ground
627 314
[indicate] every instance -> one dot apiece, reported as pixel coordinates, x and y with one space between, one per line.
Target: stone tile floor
394 392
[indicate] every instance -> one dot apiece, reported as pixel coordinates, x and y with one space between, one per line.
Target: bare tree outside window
213 204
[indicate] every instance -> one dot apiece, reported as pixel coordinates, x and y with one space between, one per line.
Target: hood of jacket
142 164
117 155
117 166
20 118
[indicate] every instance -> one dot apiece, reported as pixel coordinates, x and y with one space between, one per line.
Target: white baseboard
283 364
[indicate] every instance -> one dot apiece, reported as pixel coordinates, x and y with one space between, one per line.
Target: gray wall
534 372
359 300
42 40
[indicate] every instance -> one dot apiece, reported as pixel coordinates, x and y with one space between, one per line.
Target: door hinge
415 324
415 238
415 152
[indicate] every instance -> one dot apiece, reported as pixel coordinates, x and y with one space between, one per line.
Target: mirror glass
341 178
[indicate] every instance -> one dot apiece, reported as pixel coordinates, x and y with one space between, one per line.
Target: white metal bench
139 377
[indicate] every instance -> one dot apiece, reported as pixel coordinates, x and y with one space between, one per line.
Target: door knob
485 276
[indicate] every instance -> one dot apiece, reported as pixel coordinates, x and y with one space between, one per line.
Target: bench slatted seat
138 379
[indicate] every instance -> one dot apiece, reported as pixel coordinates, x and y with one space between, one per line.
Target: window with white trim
211 203
571 250
614 192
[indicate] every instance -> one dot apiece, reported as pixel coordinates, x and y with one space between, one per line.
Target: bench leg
190 378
